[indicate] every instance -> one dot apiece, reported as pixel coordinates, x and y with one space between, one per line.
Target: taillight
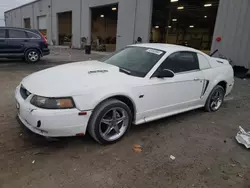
44 38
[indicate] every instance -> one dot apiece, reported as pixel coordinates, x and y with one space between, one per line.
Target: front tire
32 56
215 99
110 121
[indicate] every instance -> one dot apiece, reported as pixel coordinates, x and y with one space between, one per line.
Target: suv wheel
32 56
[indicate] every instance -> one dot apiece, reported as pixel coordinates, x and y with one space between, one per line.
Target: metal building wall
134 18
233 26
15 17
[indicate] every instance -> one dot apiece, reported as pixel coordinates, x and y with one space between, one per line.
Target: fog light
39 124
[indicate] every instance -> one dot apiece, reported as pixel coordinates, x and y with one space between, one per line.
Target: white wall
233 26
28 12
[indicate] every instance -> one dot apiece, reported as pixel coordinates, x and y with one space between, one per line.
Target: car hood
74 79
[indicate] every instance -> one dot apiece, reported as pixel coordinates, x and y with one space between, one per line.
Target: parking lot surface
205 150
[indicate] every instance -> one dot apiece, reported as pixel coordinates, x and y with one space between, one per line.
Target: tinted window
137 61
17 34
32 35
2 33
181 62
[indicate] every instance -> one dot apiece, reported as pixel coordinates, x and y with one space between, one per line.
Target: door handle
196 79
26 40
2 40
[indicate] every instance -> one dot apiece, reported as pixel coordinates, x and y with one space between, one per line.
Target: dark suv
28 44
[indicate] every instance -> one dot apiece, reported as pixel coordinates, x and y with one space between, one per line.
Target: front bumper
50 123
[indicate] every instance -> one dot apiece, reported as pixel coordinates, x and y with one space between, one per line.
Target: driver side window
181 62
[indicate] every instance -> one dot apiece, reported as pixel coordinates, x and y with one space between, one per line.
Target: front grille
24 92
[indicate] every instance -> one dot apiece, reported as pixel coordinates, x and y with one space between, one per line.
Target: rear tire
110 121
32 56
215 99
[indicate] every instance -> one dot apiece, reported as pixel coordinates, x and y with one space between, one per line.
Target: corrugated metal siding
233 25
239 34
245 39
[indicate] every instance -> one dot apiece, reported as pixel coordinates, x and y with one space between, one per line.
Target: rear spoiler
215 51
221 58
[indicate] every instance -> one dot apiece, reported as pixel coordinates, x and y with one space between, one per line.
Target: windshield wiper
125 71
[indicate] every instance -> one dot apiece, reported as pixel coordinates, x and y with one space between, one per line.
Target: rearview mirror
165 73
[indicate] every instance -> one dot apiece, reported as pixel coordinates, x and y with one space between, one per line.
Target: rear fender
29 48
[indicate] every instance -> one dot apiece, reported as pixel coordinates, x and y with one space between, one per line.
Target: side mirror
165 73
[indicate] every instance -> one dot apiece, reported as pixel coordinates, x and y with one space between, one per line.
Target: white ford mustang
137 84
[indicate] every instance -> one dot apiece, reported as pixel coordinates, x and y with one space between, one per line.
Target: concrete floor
206 152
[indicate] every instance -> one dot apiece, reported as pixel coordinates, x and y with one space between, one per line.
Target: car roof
18 28
166 47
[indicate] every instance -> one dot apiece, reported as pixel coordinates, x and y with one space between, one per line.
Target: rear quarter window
182 61
33 35
203 61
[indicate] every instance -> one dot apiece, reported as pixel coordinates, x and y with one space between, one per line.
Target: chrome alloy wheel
216 100
114 124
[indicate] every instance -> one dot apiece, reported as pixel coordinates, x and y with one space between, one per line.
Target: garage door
42 25
42 22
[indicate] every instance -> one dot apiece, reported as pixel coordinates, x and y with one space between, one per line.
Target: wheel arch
212 84
123 98
218 80
223 84
36 48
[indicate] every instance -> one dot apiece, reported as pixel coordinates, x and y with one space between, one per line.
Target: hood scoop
97 71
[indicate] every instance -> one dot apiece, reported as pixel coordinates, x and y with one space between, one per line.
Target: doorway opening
65 28
184 22
27 23
104 27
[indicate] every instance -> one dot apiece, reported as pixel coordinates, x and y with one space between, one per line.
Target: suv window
181 62
17 34
2 33
33 35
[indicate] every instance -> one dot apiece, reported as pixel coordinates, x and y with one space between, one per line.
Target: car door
167 96
17 40
3 42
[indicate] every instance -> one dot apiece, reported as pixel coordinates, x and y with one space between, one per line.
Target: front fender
111 95
89 101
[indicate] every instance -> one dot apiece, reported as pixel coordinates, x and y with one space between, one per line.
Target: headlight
52 103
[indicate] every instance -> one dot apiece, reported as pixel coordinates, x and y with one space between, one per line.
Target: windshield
135 61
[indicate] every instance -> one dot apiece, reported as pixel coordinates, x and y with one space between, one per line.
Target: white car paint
152 98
